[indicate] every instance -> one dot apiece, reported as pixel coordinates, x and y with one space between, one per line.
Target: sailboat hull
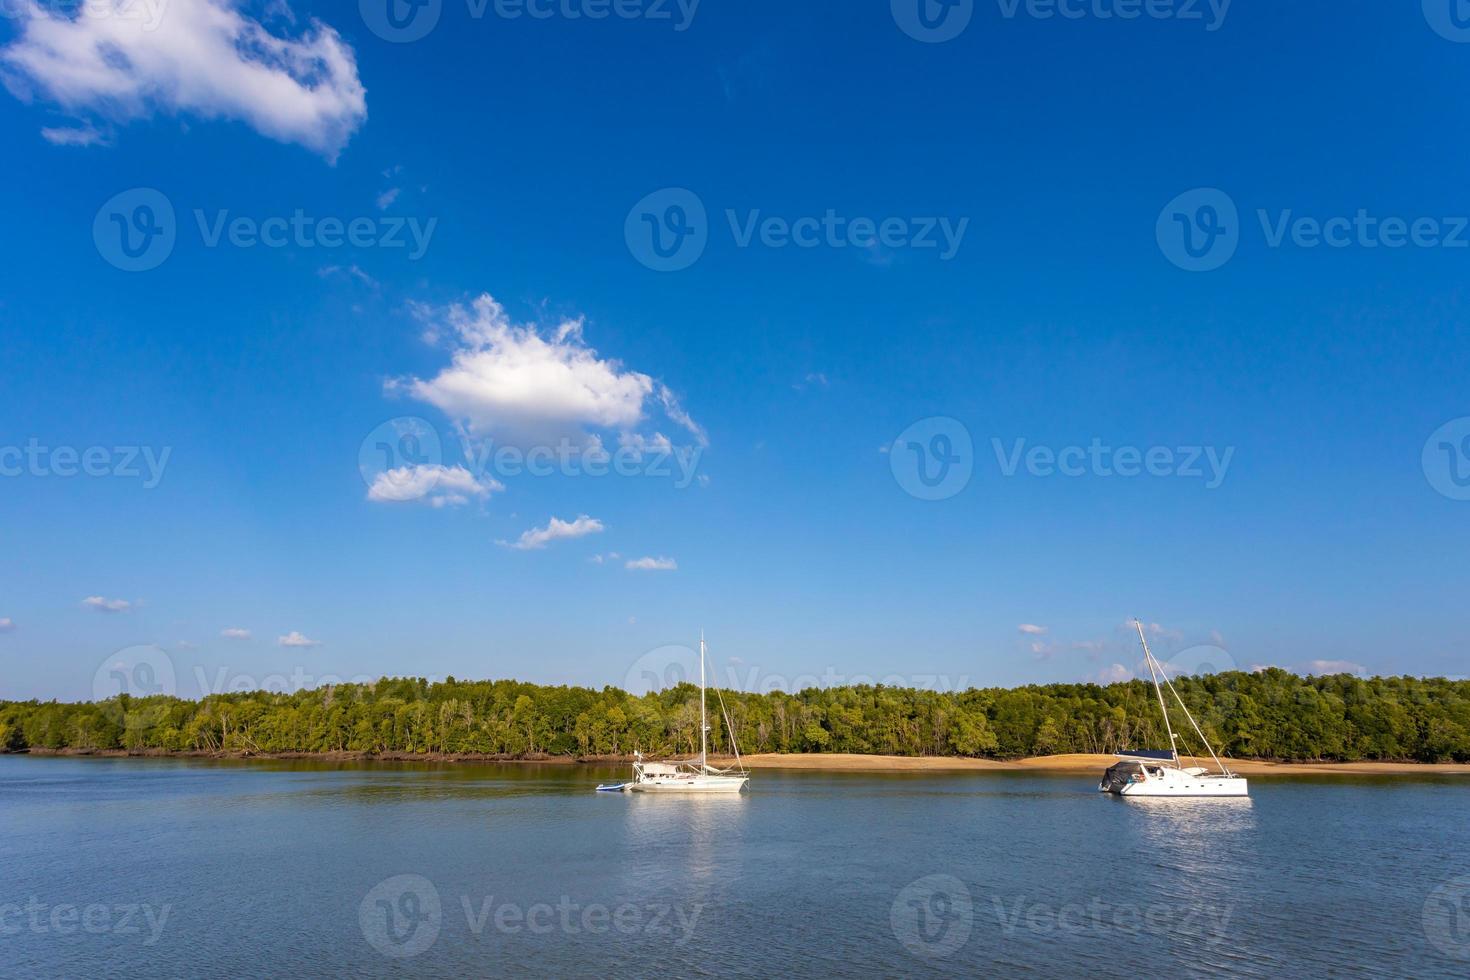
689 784
1203 787
1133 780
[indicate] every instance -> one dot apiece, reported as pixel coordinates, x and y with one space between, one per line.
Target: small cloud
1333 667
1217 638
295 639
641 445
347 272
653 565
557 530
186 645
1031 629
533 383
235 633
1089 646
816 379
7 625
432 484
386 199
1043 651
105 605
75 136
876 255
1114 674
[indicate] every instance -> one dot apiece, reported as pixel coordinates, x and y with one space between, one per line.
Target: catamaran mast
1163 707
703 726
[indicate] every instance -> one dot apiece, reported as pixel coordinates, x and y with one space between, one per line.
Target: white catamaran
1159 773
693 775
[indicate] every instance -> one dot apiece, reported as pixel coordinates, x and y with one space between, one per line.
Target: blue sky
1028 172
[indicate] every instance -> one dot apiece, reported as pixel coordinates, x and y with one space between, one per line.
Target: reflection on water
698 830
301 868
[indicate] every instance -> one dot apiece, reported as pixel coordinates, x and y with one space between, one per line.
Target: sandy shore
1078 763
826 762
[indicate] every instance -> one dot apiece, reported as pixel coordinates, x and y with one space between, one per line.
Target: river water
153 868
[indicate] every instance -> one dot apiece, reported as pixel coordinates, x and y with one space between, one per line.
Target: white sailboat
693 775
1157 774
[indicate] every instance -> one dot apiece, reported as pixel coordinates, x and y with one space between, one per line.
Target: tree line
1272 715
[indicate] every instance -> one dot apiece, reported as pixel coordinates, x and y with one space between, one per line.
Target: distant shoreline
814 761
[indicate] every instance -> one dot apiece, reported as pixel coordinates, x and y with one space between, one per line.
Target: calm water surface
180 868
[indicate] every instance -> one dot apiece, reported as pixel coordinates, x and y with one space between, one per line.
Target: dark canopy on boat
1149 754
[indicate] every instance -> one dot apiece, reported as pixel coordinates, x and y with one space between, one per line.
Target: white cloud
7 625
435 485
657 444
1089 646
386 199
557 530
1114 674
74 136
520 384
1333 667
132 59
353 271
295 639
106 605
653 565
1031 629
235 633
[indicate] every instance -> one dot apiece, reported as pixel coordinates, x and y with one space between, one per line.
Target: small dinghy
612 788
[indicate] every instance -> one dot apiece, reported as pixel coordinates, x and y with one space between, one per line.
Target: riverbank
825 762
1082 763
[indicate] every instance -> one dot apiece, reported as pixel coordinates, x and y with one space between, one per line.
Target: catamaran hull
712 784
1183 789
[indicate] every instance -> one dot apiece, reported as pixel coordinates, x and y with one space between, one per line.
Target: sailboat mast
1163 706
703 725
